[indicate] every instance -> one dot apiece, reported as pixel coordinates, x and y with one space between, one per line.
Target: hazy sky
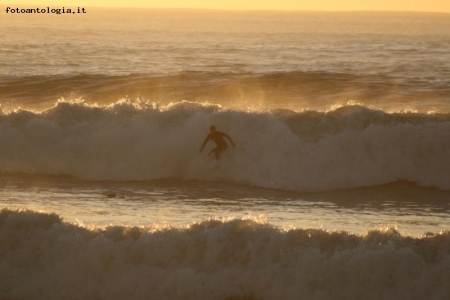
390 5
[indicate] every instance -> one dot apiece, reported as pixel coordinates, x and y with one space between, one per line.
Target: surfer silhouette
217 137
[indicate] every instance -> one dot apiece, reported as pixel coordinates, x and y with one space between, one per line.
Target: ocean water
338 187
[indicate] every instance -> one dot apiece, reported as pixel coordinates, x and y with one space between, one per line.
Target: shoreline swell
254 259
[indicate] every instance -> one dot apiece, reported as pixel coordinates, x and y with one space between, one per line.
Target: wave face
349 147
288 89
45 258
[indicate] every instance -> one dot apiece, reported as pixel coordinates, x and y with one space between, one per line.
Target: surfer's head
212 128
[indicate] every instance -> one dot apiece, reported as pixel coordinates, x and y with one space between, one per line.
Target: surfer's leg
219 150
215 152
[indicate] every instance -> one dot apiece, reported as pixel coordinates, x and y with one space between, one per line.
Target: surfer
218 138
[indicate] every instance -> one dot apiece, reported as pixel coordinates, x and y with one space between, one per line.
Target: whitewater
239 259
347 147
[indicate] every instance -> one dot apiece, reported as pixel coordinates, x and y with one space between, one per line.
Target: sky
315 5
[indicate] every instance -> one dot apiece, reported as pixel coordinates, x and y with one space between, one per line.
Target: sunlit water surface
410 209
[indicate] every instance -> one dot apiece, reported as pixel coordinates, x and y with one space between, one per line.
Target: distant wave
348 147
280 89
45 258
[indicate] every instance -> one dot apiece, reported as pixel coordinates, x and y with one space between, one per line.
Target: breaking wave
346 147
314 89
45 258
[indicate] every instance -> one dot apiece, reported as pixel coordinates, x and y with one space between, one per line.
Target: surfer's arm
204 143
229 137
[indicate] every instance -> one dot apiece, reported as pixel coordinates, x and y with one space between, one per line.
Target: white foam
348 147
44 258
